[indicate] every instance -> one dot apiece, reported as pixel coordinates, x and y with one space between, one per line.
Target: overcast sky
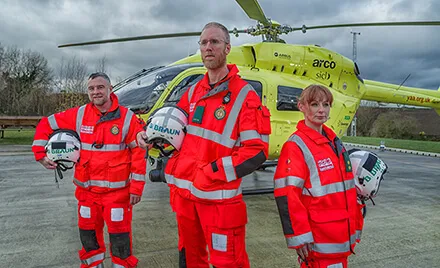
385 54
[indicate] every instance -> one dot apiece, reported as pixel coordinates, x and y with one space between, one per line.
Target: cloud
386 54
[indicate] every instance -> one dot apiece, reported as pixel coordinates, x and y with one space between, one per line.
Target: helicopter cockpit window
177 93
141 94
288 98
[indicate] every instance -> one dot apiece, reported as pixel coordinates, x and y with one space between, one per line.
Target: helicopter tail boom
390 93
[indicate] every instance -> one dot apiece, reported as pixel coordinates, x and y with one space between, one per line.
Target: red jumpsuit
316 197
227 138
110 168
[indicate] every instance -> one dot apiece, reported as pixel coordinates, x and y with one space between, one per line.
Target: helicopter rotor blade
304 28
144 37
253 10
134 38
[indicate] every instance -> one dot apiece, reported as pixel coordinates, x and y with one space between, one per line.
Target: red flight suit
227 138
110 168
316 196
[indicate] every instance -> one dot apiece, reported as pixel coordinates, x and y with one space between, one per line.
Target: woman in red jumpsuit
314 188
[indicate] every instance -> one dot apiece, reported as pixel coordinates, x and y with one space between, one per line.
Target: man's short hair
221 27
100 74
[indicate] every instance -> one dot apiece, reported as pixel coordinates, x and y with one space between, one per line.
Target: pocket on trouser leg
227 247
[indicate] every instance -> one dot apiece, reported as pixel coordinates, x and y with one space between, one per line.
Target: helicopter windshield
142 92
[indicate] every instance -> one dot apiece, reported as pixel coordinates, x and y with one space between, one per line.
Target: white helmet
368 171
167 125
63 146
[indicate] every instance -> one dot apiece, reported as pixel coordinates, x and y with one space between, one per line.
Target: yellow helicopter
277 71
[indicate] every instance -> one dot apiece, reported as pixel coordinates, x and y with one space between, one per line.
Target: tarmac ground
38 221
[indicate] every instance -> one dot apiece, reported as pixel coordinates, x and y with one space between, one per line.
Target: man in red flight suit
227 138
110 174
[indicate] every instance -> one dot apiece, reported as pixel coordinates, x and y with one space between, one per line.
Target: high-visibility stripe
115 265
107 184
249 135
137 177
191 92
330 248
317 189
99 265
337 187
211 195
39 143
298 240
94 258
126 125
210 135
132 144
228 167
53 122
358 235
104 148
79 118
288 181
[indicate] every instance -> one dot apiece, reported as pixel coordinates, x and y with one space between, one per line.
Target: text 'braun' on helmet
63 146
368 171
167 125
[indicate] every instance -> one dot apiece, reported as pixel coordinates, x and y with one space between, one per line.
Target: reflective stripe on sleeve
211 195
137 177
79 119
107 184
249 135
104 148
298 240
39 143
288 181
115 265
358 235
93 259
132 144
126 125
229 168
53 122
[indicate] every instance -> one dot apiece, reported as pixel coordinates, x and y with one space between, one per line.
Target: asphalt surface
38 221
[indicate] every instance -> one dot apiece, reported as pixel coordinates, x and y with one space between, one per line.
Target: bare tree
26 80
101 65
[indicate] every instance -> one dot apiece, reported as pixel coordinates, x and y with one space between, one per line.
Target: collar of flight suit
314 135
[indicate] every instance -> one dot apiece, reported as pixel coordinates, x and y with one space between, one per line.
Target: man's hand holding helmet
47 163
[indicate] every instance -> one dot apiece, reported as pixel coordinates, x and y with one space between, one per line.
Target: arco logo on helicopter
324 63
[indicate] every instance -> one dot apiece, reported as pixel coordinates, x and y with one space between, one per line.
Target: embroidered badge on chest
220 113
114 130
325 164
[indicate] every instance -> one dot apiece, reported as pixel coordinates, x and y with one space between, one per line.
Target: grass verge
416 145
18 137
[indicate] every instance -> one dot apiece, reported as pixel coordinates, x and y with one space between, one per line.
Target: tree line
29 86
